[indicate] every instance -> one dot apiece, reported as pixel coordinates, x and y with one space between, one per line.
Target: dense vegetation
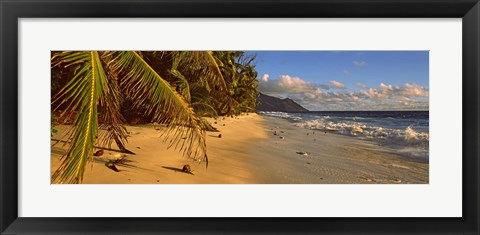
103 90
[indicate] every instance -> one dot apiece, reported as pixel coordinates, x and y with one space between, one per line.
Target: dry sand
249 152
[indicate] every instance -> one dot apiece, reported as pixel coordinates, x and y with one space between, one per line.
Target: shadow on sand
176 169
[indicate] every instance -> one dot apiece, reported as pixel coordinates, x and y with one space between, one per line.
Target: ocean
405 131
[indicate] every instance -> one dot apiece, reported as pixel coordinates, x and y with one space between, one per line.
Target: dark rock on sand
303 153
98 153
187 169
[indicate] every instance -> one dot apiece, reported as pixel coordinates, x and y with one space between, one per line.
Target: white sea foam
355 128
368 128
281 115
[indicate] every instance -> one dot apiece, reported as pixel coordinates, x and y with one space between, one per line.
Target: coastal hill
270 103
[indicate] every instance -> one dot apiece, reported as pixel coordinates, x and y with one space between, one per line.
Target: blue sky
347 80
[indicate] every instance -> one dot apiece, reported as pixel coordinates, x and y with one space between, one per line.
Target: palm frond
204 109
183 83
204 67
111 119
84 91
147 88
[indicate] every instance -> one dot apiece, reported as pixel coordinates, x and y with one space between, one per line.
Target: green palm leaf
111 118
207 67
183 83
147 88
83 90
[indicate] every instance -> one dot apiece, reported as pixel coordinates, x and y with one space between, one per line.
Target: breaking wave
407 136
411 134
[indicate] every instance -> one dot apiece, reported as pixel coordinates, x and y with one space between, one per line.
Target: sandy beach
254 149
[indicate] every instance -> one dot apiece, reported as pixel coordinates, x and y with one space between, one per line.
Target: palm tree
242 80
100 78
173 88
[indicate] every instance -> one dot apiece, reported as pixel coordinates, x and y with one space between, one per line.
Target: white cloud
324 86
385 88
285 84
317 97
346 73
265 77
403 98
384 97
361 85
373 94
359 63
414 90
389 91
337 85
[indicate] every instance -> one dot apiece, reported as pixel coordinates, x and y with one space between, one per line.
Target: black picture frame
11 11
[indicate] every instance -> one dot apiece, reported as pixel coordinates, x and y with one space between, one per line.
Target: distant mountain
270 103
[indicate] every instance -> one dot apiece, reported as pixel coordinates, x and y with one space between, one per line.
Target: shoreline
249 153
342 159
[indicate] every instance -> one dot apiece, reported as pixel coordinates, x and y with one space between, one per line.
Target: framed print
239 117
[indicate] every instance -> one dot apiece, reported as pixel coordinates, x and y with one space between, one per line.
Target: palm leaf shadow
176 170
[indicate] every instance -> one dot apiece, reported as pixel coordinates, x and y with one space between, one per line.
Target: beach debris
112 166
219 135
309 163
138 147
400 166
98 153
368 179
303 153
398 181
121 160
223 124
281 137
158 180
282 132
156 126
275 133
325 132
187 169
215 122
308 133
117 155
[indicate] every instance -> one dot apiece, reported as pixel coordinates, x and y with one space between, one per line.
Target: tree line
105 90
